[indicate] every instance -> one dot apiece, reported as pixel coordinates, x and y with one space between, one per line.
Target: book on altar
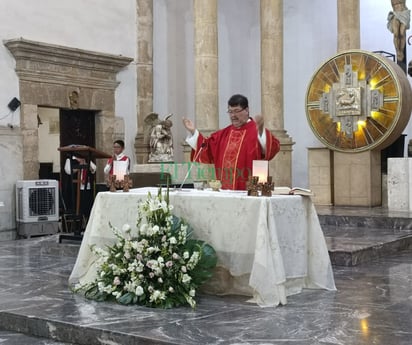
292 191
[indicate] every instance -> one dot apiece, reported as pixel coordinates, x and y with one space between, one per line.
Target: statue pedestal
400 184
345 179
357 179
320 175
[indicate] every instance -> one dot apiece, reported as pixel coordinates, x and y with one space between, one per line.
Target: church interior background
118 62
152 68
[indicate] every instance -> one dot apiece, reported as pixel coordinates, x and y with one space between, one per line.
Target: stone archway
50 75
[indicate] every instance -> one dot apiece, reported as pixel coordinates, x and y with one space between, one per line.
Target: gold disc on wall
358 101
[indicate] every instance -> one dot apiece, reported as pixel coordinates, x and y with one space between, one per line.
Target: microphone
191 166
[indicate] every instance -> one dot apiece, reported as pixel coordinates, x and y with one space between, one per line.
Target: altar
267 247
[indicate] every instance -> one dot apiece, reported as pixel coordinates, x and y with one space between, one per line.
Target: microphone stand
191 166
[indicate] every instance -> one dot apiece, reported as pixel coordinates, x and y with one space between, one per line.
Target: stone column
206 69
206 65
348 24
357 175
30 134
271 27
144 74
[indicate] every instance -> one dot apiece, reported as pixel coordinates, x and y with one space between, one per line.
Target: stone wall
59 77
10 151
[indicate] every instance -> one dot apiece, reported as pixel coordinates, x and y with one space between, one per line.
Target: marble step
361 220
351 246
15 338
56 332
355 235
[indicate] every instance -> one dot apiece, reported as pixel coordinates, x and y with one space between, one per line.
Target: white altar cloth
271 246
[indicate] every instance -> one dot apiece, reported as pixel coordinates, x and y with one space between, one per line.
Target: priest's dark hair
238 100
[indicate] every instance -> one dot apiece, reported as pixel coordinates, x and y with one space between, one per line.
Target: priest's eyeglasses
234 111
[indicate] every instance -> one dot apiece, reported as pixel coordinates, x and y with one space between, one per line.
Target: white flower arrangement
160 267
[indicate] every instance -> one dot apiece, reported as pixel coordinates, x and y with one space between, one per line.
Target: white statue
161 140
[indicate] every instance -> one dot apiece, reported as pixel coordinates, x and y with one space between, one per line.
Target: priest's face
238 115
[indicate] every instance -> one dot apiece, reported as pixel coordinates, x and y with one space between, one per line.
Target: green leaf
126 298
208 258
94 294
169 304
176 222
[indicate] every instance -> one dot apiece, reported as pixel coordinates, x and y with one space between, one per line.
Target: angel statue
160 140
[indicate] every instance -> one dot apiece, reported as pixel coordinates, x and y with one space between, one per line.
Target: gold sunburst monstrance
358 101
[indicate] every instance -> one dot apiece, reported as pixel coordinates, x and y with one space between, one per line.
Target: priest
233 149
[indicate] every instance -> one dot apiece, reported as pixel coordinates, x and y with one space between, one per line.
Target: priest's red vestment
232 151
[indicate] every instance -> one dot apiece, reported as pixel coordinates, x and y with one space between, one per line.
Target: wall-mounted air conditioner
37 207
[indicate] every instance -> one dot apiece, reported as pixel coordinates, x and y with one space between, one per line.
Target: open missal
292 191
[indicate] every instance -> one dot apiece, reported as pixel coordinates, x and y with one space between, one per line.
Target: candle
261 169
119 169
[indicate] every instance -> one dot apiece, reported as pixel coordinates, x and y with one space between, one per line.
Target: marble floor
373 305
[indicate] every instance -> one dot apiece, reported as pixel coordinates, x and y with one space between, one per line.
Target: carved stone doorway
65 78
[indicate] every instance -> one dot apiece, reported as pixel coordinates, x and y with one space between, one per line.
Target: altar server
118 156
